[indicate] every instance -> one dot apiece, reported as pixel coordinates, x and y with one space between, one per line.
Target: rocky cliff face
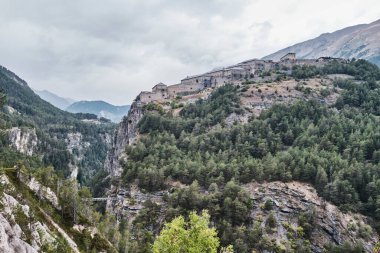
21 228
290 200
23 140
124 135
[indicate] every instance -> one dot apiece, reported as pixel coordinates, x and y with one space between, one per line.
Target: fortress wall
233 74
147 97
178 89
219 81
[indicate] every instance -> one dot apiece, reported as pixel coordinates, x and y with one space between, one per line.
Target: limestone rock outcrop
125 134
23 140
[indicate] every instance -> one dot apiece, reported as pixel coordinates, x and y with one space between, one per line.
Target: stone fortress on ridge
255 70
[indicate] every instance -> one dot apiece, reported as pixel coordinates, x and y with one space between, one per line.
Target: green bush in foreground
192 236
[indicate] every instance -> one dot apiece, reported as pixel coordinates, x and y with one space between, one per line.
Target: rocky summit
359 41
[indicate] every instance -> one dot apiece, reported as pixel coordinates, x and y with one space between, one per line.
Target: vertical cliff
23 140
125 134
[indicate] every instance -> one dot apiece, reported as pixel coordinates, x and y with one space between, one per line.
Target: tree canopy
188 237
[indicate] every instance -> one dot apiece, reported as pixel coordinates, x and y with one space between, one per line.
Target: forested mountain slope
43 208
74 144
317 131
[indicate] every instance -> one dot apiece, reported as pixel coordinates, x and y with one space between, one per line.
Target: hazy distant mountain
360 41
100 108
57 101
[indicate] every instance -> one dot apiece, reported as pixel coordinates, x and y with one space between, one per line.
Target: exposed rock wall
12 236
40 190
125 134
293 198
23 140
21 230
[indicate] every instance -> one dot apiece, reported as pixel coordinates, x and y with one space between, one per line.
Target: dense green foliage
196 117
192 236
359 69
338 151
52 126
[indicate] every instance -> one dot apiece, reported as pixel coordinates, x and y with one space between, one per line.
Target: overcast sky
111 50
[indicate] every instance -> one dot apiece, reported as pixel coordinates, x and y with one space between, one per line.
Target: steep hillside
100 108
57 101
315 129
75 144
35 218
360 41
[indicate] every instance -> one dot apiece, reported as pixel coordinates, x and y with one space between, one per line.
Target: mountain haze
100 108
57 101
359 41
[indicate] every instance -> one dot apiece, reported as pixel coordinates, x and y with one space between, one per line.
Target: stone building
160 87
257 65
159 93
198 80
184 89
235 74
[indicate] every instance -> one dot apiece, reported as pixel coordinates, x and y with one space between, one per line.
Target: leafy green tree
70 200
188 237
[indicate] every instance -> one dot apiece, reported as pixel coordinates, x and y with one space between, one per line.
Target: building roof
288 54
329 58
160 85
255 60
235 68
195 76
146 92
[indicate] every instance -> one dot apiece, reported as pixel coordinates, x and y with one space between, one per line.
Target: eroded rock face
294 198
12 237
125 134
21 230
289 201
40 190
23 140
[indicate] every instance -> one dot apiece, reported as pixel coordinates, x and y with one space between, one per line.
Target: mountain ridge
358 41
97 107
58 101
36 127
100 108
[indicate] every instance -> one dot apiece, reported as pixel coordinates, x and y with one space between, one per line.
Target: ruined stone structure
250 70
